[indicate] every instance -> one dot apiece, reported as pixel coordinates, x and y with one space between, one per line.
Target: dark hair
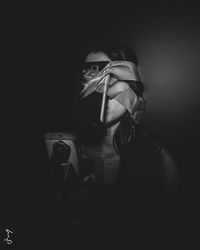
119 52
114 50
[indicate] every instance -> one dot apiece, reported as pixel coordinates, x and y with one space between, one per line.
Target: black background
166 39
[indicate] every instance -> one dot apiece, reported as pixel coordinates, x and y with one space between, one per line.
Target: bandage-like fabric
122 71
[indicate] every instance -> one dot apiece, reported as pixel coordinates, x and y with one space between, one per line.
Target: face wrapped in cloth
117 80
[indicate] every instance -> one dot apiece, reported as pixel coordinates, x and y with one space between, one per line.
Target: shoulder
167 165
144 143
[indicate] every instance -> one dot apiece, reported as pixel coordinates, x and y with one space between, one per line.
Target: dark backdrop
166 39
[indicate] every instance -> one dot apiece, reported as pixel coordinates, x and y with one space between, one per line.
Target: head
95 59
114 110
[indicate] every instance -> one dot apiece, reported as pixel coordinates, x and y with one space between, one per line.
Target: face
114 110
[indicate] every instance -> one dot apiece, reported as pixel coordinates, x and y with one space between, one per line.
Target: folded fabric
122 90
121 70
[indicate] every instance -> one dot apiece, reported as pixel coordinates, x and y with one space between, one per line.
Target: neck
111 130
105 147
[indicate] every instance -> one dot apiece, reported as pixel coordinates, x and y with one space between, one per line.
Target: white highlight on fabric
122 70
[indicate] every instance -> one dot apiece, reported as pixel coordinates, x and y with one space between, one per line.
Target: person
132 178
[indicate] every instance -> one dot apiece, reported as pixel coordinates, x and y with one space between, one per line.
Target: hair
120 52
114 50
